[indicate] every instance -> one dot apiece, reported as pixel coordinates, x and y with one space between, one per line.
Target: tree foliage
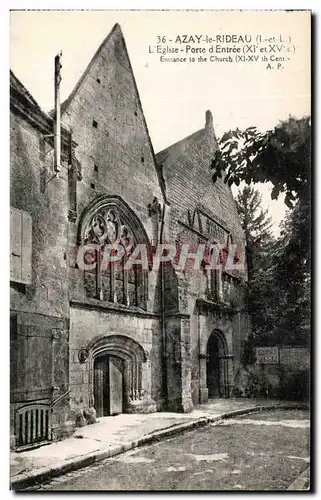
292 275
280 156
256 224
279 269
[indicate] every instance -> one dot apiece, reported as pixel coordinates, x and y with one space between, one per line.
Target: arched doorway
116 380
217 366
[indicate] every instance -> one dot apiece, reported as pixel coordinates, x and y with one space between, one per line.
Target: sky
174 96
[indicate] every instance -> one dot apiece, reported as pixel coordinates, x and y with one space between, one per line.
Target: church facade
117 339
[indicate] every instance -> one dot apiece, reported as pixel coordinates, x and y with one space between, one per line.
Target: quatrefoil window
107 228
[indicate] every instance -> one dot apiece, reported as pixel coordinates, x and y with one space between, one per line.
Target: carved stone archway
216 363
136 373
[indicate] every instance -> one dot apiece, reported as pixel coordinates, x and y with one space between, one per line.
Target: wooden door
116 374
101 386
108 385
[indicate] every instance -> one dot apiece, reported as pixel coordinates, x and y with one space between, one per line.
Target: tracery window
114 223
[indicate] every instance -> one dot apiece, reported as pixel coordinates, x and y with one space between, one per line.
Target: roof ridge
25 90
67 101
184 139
207 128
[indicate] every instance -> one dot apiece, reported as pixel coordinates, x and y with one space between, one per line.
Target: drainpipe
162 305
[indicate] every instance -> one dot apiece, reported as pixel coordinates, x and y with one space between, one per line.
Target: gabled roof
17 87
117 32
175 150
172 153
66 103
23 104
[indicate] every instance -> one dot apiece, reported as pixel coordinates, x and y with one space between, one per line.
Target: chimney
208 119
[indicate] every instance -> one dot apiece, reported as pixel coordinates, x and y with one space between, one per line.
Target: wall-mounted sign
267 355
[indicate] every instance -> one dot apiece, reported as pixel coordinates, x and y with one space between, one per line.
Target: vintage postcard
160 255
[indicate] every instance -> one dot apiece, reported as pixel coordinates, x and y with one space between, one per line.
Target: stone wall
40 308
186 169
87 325
117 159
295 357
280 365
115 152
188 177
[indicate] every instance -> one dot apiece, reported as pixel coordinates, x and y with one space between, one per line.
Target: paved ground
264 451
112 433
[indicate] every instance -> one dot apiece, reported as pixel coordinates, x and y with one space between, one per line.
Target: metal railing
33 424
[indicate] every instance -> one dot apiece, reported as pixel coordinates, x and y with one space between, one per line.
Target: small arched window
110 221
214 279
